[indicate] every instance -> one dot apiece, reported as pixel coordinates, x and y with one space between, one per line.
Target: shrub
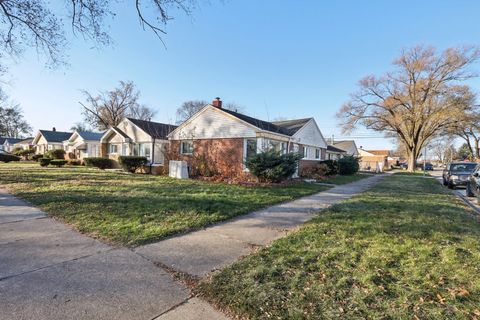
272 166
332 167
24 153
132 163
317 171
74 162
98 162
35 157
44 162
56 154
348 165
8 157
58 162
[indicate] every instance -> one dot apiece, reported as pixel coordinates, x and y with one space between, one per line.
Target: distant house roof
2 140
55 136
25 141
335 149
263 125
292 125
154 129
380 152
347 145
12 140
90 136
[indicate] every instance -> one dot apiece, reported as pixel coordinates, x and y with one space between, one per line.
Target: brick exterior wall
222 156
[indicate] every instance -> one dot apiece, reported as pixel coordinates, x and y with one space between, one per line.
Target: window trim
182 149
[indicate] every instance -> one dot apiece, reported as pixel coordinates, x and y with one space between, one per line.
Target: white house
46 140
83 144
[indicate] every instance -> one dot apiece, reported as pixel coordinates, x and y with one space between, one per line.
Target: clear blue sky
274 58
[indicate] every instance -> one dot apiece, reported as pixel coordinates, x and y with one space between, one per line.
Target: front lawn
339 179
407 249
136 209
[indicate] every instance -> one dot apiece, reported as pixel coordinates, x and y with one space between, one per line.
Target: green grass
405 249
135 209
338 180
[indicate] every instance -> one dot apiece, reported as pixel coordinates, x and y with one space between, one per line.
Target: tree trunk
412 159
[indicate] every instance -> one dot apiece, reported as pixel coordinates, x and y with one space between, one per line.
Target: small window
113 148
186 147
251 148
305 152
284 147
146 150
317 153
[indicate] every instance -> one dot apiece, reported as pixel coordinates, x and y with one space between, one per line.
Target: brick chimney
217 103
54 129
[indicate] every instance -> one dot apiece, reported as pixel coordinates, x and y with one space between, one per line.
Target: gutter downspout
153 155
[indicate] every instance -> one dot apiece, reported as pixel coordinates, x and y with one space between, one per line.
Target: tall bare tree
444 148
109 108
42 25
189 108
421 98
12 122
468 128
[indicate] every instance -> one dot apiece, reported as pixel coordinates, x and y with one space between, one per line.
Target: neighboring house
372 162
391 160
334 153
347 145
223 139
83 144
8 144
46 140
24 144
2 141
133 137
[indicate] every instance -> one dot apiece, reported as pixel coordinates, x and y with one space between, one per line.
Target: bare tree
189 108
80 127
417 101
12 123
39 24
468 128
109 108
443 148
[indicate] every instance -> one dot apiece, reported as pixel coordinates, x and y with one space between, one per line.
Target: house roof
154 129
379 152
90 136
2 140
263 125
12 140
335 149
55 136
25 141
292 125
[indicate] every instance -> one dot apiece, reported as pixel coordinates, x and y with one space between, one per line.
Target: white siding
133 132
310 135
211 124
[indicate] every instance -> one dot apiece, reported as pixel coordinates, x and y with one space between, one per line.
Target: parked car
457 174
473 184
427 166
404 166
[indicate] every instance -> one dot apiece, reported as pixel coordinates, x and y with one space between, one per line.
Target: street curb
471 205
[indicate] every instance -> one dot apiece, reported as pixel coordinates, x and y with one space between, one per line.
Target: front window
317 153
251 148
305 152
186 147
113 148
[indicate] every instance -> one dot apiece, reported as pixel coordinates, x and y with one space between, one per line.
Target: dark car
456 174
427 166
473 184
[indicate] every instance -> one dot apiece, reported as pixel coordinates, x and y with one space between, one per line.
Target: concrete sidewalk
201 252
48 271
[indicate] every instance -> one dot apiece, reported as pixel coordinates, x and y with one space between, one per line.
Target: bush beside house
98 162
348 165
271 166
132 163
58 162
44 162
56 154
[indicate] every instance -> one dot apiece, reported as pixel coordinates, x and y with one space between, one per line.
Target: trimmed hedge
98 162
74 162
56 154
44 162
132 163
58 162
8 157
332 167
272 166
348 165
316 171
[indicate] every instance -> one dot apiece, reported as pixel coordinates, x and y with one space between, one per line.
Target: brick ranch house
223 139
133 137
